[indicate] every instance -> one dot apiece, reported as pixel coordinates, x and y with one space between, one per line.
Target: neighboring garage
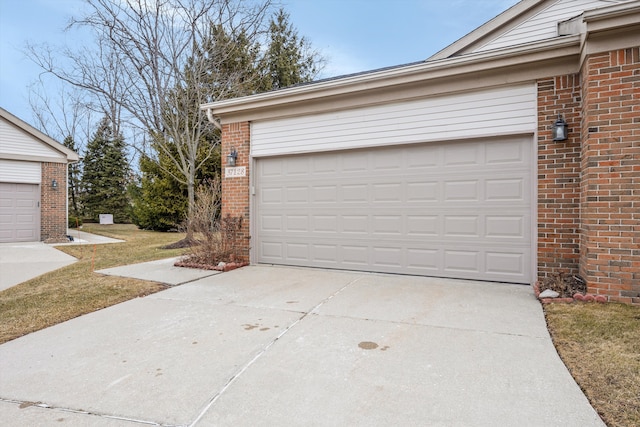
19 212
33 183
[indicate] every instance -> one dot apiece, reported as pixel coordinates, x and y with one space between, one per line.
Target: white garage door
452 209
19 212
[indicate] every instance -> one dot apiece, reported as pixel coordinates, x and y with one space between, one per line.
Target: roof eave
537 51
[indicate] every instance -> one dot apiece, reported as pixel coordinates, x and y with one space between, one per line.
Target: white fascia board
532 52
501 23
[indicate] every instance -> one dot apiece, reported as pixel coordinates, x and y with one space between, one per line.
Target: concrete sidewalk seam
264 350
43 405
172 285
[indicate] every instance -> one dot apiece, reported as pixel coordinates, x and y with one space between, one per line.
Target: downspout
212 119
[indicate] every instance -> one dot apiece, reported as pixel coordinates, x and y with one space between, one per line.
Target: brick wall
610 237
558 176
235 190
53 203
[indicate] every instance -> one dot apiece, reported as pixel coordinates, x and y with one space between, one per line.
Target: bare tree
143 65
67 119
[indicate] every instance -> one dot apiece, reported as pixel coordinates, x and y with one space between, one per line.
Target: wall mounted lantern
560 129
54 184
231 158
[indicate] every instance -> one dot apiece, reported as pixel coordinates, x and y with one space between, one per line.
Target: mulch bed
220 267
567 285
571 287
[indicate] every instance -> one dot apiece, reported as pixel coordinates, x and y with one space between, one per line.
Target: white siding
15 141
473 114
23 172
544 25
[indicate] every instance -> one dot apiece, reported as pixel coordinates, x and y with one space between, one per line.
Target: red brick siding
610 239
235 190
558 176
53 203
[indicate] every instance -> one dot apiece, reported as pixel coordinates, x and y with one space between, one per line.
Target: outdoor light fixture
560 129
231 158
54 184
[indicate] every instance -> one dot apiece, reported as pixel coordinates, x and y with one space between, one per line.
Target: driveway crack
264 349
26 404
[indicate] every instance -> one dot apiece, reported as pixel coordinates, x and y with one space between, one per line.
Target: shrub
74 222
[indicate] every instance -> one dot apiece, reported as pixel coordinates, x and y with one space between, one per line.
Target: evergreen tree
289 59
74 180
106 173
160 201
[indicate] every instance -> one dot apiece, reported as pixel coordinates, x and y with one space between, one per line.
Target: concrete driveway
276 346
20 262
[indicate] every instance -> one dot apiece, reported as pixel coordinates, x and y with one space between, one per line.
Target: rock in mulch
548 293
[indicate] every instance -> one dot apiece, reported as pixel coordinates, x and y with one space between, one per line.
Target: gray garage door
19 212
454 209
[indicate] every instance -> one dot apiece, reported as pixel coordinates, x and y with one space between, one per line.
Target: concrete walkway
276 346
161 271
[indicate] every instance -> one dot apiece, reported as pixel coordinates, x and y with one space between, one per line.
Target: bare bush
215 239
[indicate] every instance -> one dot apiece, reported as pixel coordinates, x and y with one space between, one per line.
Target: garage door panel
355 224
504 263
297 251
355 193
505 189
420 191
355 255
297 195
271 251
324 253
504 226
461 190
504 153
392 210
387 256
466 261
457 155
427 260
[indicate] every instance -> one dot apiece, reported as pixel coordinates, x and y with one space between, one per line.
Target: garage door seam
247 365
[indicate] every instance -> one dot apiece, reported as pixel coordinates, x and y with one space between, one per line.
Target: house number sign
235 172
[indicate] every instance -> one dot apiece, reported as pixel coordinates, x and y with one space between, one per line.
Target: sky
353 35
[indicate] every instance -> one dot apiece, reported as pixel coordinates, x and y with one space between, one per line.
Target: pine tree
289 59
74 180
106 173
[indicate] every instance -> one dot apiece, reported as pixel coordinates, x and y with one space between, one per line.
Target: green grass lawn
600 344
